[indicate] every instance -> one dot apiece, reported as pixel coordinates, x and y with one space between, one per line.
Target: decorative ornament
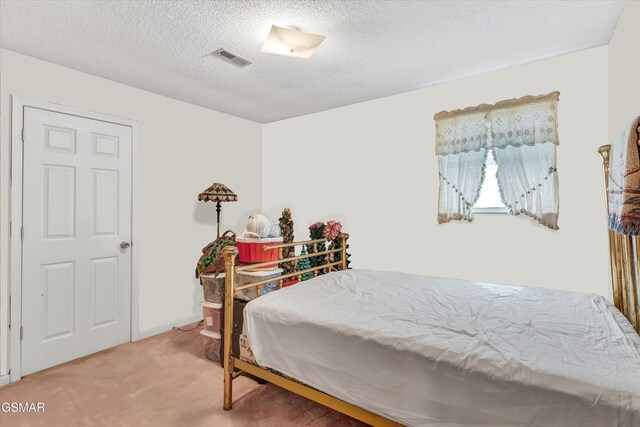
259 225
304 264
286 227
316 231
337 244
276 231
332 230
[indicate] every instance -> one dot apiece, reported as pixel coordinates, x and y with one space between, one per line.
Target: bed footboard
230 254
234 366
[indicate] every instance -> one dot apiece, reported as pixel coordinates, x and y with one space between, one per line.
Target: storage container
212 315
238 320
250 250
246 277
213 287
212 345
289 282
245 350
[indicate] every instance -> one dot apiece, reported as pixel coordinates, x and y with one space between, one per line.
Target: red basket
250 250
290 282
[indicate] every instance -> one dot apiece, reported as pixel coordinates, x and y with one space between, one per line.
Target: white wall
182 150
372 166
624 69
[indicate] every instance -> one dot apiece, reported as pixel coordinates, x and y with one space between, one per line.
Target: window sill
490 211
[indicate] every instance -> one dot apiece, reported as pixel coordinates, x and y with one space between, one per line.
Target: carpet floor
160 381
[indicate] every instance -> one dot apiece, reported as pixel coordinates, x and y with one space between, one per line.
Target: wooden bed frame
235 367
624 256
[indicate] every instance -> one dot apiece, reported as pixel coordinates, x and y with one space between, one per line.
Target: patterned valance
461 133
523 121
529 123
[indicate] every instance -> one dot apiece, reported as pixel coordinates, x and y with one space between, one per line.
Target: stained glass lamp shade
218 193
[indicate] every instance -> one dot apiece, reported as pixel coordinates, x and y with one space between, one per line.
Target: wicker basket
213 287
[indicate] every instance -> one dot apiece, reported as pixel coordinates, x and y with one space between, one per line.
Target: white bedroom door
76 265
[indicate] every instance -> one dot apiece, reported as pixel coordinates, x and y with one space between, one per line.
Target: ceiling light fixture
291 42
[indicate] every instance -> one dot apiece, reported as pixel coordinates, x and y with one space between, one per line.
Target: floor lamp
218 193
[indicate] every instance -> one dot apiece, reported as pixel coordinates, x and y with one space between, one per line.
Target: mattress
428 351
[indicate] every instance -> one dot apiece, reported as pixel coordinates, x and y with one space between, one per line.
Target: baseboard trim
196 317
4 380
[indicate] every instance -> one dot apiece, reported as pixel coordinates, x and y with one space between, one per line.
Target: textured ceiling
372 49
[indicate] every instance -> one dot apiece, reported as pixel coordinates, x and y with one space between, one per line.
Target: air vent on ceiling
236 60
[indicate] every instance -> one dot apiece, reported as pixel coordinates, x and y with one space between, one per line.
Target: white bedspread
433 351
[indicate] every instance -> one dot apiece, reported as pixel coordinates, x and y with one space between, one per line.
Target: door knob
125 245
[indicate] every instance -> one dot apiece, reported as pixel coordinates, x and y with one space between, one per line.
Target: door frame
18 104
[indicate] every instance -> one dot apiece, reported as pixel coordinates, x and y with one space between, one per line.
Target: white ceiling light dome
291 42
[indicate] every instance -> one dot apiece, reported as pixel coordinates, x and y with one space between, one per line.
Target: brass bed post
230 253
616 273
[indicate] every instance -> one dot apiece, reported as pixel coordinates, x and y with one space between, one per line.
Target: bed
400 349
427 351
395 349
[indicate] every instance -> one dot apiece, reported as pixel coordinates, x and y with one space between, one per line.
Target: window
490 201
522 136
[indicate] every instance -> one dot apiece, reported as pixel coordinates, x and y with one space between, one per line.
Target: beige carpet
161 381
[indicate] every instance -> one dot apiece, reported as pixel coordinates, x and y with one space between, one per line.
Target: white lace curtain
461 147
523 135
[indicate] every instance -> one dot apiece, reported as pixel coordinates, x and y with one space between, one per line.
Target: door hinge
22 134
21 333
21 233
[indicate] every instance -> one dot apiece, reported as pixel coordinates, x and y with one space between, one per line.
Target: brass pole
616 269
295 258
616 273
287 245
625 272
286 276
343 245
229 253
315 251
